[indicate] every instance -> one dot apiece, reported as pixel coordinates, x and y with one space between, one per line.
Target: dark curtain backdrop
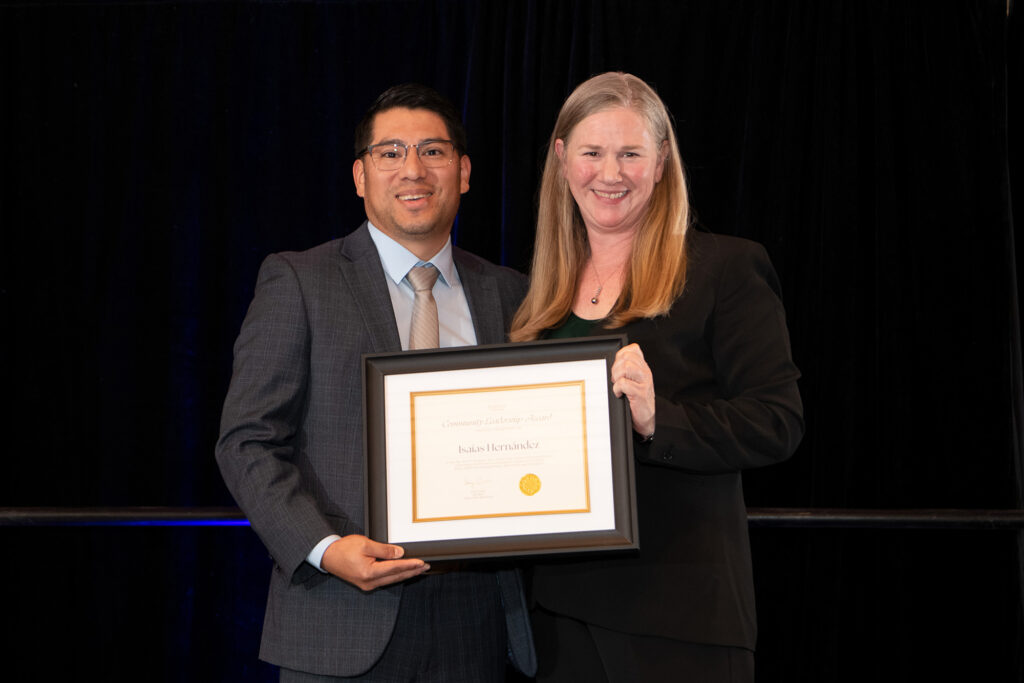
155 153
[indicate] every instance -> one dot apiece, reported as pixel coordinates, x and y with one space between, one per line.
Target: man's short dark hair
412 96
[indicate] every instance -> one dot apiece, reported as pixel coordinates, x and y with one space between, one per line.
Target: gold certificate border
482 390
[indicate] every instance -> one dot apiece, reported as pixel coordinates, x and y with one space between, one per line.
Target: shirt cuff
316 555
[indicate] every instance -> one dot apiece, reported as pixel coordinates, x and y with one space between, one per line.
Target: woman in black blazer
710 382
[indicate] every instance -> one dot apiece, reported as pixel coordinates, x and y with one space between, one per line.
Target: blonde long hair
657 266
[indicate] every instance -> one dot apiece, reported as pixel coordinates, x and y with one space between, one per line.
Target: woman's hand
632 376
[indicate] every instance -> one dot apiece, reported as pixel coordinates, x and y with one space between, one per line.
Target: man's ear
359 177
464 168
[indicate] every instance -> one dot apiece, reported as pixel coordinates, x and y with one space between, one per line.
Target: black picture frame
377 367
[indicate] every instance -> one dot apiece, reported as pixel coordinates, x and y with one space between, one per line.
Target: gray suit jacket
291 442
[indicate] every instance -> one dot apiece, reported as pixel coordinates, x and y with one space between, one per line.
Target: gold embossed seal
529 484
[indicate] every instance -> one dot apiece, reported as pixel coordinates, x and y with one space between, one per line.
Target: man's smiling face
414 205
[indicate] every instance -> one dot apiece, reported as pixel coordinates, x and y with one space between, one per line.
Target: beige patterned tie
423 332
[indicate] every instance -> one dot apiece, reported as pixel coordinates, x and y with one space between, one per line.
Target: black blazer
726 400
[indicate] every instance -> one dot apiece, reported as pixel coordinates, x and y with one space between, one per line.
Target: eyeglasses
389 156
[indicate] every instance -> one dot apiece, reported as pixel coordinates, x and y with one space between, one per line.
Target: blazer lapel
361 268
483 299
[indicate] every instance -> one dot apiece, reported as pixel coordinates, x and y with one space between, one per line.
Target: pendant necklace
594 300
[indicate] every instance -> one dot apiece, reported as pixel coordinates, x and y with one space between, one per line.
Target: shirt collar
397 260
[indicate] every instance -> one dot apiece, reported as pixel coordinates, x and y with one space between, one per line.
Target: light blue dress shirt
455 324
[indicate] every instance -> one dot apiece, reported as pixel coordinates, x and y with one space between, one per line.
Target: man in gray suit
342 606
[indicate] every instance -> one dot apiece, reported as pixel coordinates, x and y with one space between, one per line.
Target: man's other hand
367 564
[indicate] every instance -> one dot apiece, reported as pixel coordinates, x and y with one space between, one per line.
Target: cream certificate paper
498 451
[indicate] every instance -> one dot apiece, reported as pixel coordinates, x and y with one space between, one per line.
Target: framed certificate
501 450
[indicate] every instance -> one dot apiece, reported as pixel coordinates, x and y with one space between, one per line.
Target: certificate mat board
499 450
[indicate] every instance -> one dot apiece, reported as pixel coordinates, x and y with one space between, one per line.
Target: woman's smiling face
611 163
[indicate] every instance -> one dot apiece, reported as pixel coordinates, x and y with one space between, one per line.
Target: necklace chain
600 285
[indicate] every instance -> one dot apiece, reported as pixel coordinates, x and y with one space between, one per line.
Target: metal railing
805 518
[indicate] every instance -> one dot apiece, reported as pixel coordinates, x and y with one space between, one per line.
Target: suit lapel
483 299
362 271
